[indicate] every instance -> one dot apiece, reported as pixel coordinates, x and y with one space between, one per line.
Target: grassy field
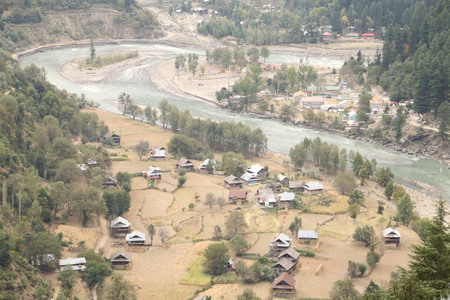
195 275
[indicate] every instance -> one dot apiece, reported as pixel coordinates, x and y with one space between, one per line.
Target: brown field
157 271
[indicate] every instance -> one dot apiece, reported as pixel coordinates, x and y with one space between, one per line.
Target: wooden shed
284 285
120 259
391 236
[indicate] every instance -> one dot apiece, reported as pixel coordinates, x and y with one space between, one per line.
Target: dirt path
103 237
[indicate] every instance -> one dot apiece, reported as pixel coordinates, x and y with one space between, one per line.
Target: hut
284 285
109 183
236 196
158 153
115 137
76 264
280 243
391 236
296 185
119 226
307 236
135 238
313 187
232 182
286 199
120 259
186 164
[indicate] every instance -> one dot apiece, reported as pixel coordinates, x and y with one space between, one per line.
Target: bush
307 253
181 181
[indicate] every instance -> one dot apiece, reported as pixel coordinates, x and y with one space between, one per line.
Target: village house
266 197
250 178
327 35
308 236
376 105
76 264
284 180
391 236
284 286
120 259
82 167
368 35
334 90
115 137
120 225
232 182
207 163
286 199
185 164
312 102
135 238
280 243
289 254
258 170
274 186
109 183
296 185
313 187
284 265
158 153
153 173
299 95
237 196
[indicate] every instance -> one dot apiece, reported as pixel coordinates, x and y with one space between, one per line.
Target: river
281 137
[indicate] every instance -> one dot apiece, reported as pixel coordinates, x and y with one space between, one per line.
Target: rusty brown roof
237 194
284 281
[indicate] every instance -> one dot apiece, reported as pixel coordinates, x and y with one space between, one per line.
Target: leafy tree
353 210
191 206
389 190
344 289
37 245
92 51
356 269
345 183
233 164
164 112
248 294
265 53
238 244
163 234
142 148
221 202
430 261
121 289
68 278
151 232
357 163
404 210
124 102
216 258
87 202
383 176
365 172
181 181
365 234
117 201
357 196
217 233
235 223
183 146
58 195
151 115
97 268
68 172
372 259
420 226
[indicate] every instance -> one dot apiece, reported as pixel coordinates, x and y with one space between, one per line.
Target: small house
281 242
153 173
115 137
307 236
313 187
82 167
109 183
91 162
232 182
120 225
76 264
120 259
284 180
296 185
391 236
284 265
368 35
312 102
251 178
185 164
266 198
207 166
286 198
299 95
284 286
258 170
289 254
237 196
274 186
158 153
135 238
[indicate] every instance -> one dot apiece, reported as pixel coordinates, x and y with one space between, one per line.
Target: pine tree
443 115
431 260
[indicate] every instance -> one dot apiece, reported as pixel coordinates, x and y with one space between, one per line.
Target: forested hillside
30 23
297 21
41 183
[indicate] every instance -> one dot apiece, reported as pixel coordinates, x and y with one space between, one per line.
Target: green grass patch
332 234
105 60
226 278
195 275
119 159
